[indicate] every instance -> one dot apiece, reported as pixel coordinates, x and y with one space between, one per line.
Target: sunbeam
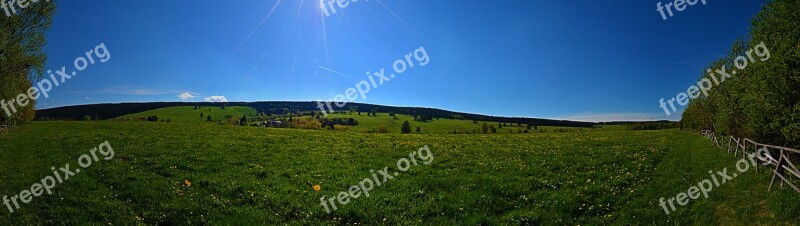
297 16
400 19
247 38
324 34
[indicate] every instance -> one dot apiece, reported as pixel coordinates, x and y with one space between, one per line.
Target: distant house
270 123
275 123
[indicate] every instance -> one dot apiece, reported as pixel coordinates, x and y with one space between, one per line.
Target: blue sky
571 59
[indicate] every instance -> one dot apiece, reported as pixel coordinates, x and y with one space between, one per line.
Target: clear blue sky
566 59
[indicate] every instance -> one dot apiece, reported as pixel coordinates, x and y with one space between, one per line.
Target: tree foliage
22 58
652 125
762 101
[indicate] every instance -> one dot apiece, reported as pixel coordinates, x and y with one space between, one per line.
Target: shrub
383 129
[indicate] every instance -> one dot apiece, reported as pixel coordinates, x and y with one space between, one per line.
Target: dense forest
108 111
762 100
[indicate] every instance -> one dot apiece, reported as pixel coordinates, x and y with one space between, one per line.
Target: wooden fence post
778 172
782 165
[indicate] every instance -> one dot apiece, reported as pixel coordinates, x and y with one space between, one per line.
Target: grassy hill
111 111
202 173
189 114
438 126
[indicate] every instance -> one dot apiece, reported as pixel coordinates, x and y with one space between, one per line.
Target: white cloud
87 98
216 99
185 95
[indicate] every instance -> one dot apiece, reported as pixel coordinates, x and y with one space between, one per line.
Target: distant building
270 123
275 123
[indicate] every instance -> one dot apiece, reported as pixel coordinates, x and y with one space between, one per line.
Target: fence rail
783 168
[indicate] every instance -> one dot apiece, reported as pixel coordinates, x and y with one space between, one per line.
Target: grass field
247 175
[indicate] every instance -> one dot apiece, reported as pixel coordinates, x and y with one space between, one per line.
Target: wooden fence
783 168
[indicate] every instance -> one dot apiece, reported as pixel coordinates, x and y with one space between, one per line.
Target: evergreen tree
406 127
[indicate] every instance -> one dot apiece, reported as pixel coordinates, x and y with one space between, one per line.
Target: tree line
762 101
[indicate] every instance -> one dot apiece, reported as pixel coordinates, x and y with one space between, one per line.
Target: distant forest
109 111
653 125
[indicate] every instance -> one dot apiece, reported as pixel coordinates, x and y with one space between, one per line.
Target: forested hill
108 111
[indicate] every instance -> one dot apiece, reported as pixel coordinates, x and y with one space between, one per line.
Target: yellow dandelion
317 187
188 183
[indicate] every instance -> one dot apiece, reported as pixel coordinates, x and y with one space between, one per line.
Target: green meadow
436 126
188 114
203 173
83 143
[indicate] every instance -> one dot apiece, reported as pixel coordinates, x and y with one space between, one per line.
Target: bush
383 129
306 123
341 128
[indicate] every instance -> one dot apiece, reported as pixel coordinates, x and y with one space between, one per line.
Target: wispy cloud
609 117
135 91
336 72
125 90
